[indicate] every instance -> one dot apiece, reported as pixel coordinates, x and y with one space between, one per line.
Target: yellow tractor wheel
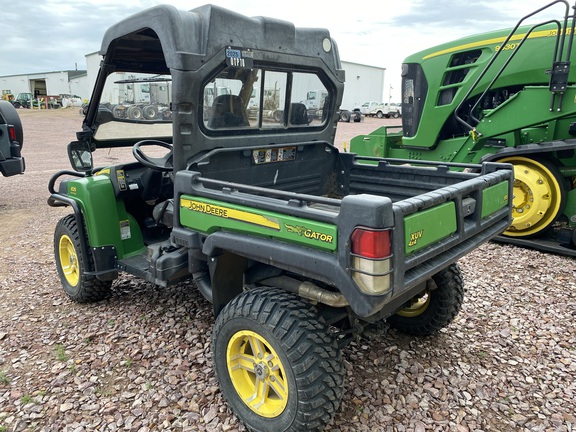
539 194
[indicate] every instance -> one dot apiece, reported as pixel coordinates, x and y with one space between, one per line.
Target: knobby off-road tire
435 307
277 365
72 265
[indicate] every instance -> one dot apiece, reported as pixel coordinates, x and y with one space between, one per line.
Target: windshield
414 90
135 105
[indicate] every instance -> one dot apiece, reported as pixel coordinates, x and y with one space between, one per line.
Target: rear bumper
12 166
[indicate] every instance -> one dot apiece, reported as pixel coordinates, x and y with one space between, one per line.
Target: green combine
506 96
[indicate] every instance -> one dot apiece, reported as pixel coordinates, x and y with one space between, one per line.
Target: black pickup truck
297 245
11 140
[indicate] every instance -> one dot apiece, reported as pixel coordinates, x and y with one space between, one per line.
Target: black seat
228 111
163 213
298 114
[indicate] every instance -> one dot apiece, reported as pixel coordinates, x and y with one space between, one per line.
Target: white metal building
73 82
363 83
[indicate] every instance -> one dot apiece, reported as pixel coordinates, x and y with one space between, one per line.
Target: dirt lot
141 360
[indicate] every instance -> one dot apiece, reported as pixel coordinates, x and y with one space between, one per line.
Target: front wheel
276 363
435 307
72 264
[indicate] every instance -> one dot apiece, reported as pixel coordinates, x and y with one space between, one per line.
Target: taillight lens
371 244
12 133
371 260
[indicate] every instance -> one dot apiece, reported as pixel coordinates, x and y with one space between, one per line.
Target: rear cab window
262 99
246 100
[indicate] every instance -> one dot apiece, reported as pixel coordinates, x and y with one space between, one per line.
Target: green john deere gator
296 246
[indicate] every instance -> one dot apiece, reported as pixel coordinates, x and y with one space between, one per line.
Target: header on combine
507 96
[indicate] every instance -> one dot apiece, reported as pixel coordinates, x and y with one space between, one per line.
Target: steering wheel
163 163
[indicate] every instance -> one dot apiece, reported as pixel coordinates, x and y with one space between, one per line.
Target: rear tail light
371 244
371 252
12 133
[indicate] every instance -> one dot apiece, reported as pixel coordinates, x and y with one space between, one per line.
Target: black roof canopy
163 37
192 47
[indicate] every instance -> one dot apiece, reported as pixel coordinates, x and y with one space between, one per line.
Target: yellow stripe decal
229 213
499 40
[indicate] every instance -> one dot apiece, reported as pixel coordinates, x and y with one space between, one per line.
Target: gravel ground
141 360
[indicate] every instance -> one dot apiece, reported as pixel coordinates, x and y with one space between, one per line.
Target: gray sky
53 35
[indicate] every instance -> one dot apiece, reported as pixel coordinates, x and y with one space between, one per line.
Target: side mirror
80 156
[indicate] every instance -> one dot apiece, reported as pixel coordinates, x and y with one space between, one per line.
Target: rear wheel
72 265
539 195
134 112
150 112
277 365
118 111
435 307
345 116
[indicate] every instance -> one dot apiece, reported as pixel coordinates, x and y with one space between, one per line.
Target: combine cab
506 96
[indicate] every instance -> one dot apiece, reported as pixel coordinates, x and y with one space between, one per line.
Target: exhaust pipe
202 280
308 290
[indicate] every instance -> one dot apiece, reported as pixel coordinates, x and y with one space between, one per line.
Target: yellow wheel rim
537 197
69 260
417 306
257 374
